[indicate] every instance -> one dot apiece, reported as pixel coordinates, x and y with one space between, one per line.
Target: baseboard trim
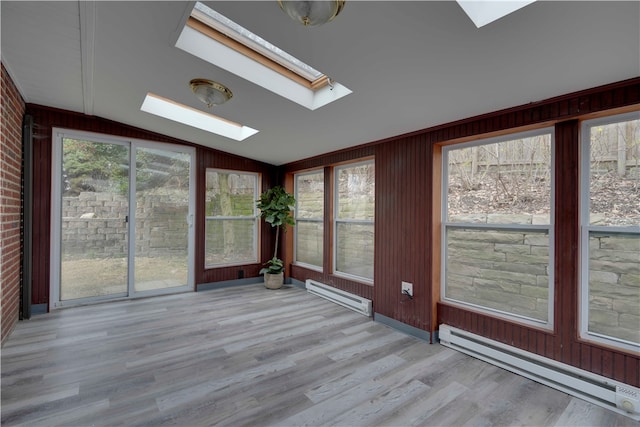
228 283
39 309
402 327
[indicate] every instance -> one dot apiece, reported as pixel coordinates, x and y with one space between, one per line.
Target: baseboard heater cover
338 296
605 392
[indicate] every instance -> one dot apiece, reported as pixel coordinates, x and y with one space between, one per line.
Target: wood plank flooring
248 356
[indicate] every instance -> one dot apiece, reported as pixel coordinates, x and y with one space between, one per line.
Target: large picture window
610 237
497 234
231 218
354 192
309 217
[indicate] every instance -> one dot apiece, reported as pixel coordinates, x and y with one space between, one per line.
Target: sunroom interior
487 199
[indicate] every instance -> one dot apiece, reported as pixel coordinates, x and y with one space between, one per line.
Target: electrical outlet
407 288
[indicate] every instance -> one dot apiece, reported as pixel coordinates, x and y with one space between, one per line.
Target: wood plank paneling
403 198
567 234
404 225
208 158
362 289
46 118
404 220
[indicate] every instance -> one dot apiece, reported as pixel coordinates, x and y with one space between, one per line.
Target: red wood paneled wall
404 226
213 159
404 220
403 198
10 202
47 118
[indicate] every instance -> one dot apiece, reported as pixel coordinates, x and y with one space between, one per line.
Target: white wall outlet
407 288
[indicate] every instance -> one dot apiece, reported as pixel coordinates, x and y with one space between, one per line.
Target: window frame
586 229
549 228
335 221
254 217
320 220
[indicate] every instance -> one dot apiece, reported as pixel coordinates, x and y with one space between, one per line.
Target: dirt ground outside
84 278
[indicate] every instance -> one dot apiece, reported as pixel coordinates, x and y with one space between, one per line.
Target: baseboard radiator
346 299
602 391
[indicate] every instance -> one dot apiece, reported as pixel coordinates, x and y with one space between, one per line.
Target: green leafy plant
274 266
275 206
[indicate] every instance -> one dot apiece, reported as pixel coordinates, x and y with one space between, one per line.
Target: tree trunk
275 251
226 210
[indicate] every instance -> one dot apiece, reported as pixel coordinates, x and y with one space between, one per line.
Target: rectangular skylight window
483 12
184 114
222 42
240 34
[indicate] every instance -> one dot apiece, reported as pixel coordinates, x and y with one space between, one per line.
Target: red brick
12 109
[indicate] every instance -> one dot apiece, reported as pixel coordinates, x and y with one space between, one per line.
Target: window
497 234
218 40
172 110
231 226
309 216
354 220
610 231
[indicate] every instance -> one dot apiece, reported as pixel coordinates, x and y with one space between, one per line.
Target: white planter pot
273 281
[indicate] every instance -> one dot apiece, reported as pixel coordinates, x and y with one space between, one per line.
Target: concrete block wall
503 270
614 285
508 271
94 225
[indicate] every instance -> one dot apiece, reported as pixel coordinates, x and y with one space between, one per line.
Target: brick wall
13 109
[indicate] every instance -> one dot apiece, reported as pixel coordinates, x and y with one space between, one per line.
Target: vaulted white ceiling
410 65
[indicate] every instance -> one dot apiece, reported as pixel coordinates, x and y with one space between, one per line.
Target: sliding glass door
122 223
94 253
162 219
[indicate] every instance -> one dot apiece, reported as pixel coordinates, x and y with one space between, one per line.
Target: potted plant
275 206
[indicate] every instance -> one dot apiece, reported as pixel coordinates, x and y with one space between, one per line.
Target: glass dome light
311 13
210 92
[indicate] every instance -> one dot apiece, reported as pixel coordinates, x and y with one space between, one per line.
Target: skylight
222 42
180 113
483 12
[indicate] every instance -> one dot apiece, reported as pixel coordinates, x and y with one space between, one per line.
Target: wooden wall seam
406 227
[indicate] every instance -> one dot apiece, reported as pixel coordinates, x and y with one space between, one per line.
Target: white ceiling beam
87 13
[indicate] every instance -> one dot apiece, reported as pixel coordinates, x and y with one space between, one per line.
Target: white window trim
336 221
253 217
321 220
549 228
586 229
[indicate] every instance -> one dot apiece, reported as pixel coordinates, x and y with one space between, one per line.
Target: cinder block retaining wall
509 271
504 270
94 225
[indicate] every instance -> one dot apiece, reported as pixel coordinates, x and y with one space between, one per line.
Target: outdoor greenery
90 166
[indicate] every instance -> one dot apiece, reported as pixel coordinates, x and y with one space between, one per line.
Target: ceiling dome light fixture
210 92
310 13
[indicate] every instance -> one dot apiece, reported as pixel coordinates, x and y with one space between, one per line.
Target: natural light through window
483 12
309 231
224 43
498 229
231 227
610 277
180 113
354 214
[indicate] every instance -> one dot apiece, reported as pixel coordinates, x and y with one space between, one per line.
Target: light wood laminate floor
248 356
